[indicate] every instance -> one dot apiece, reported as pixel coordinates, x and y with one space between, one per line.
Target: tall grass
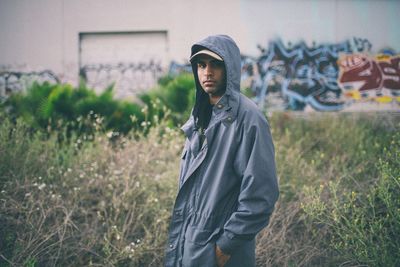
101 203
324 161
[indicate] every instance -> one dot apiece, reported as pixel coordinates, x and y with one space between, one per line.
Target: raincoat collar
188 127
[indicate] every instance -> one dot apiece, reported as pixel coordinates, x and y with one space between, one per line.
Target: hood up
227 49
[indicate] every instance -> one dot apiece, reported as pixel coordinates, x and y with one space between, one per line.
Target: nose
208 71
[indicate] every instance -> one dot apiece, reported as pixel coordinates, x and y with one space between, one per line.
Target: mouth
209 83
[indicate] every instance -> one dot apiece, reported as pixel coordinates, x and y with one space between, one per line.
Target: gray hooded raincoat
228 185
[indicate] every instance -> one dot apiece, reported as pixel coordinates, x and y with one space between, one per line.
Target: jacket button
220 106
229 119
171 246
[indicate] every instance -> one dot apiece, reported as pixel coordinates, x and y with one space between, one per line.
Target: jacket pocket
199 248
201 236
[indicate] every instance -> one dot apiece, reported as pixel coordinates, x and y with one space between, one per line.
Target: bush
58 106
176 95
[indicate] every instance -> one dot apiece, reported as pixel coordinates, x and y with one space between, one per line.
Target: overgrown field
86 201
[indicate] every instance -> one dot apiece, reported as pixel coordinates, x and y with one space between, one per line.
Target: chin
210 90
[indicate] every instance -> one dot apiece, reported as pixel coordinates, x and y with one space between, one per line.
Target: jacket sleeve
255 163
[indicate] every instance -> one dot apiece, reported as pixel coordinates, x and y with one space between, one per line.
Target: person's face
211 74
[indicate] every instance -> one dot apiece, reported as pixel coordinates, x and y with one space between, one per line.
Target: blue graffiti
301 75
294 75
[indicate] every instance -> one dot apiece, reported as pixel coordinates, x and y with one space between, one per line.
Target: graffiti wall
128 79
370 78
325 77
321 77
17 81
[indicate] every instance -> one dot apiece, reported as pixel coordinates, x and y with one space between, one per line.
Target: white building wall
322 21
44 34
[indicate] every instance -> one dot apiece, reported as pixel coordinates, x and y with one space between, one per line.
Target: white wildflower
43 185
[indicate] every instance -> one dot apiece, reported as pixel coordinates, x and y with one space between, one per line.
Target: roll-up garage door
132 61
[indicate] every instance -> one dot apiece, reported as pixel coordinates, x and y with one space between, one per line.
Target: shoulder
249 114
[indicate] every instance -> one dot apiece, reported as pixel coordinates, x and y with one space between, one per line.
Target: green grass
92 202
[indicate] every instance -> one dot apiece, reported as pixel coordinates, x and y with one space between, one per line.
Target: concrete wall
44 34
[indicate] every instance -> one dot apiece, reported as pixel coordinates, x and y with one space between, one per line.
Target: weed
92 202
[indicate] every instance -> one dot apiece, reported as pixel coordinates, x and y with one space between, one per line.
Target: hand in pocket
222 258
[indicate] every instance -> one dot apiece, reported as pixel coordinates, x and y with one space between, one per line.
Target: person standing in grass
227 185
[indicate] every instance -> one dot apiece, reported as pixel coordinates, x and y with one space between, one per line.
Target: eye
201 65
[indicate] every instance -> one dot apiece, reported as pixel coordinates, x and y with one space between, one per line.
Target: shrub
177 95
58 106
30 106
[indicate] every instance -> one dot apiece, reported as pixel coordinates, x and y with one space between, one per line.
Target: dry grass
111 208
312 151
109 205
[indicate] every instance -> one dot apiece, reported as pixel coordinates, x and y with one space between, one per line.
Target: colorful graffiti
365 78
293 77
325 77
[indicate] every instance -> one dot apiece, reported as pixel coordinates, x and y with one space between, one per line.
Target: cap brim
206 52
